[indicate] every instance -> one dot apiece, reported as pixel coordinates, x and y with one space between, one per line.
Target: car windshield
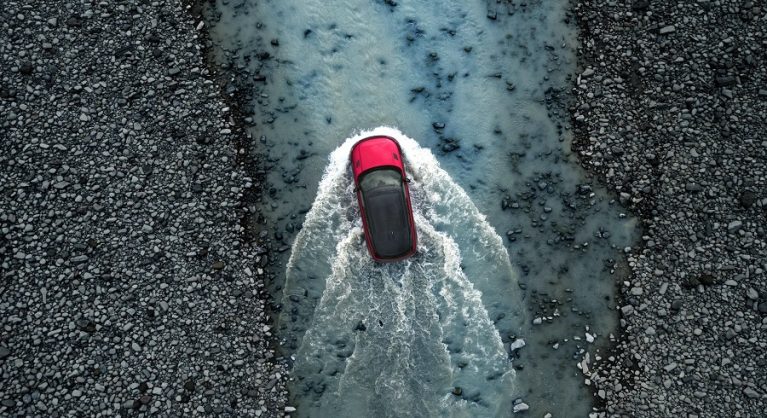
386 212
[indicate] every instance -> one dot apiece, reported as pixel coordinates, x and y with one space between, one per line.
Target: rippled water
485 100
397 339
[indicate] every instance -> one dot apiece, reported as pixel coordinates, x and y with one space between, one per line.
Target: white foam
433 315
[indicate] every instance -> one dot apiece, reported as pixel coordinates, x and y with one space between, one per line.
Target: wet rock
492 12
517 344
520 407
449 145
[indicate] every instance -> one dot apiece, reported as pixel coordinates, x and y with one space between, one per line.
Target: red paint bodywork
376 152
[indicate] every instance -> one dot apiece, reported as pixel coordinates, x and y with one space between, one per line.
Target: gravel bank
127 287
671 111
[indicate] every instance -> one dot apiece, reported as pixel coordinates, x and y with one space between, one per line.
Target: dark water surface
510 233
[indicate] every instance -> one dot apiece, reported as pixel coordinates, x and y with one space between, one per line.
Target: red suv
384 198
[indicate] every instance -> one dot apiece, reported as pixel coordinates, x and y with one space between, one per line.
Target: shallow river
514 242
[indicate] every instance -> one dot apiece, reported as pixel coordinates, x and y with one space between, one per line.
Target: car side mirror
407 179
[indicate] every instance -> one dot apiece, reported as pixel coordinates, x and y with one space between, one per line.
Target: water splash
397 339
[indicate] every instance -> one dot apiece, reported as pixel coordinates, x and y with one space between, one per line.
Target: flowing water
510 233
398 339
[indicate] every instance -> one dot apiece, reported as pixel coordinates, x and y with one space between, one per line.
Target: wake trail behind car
397 339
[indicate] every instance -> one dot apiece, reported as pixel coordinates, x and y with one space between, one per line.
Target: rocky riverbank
128 287
671 111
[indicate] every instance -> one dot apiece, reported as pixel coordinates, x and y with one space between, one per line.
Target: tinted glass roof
383 196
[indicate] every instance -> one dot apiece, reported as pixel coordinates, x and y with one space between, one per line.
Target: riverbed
481 92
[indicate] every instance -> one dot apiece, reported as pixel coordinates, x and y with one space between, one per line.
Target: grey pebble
700 201
99 120
667 29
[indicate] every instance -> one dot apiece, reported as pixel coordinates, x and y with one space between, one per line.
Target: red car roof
375 151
